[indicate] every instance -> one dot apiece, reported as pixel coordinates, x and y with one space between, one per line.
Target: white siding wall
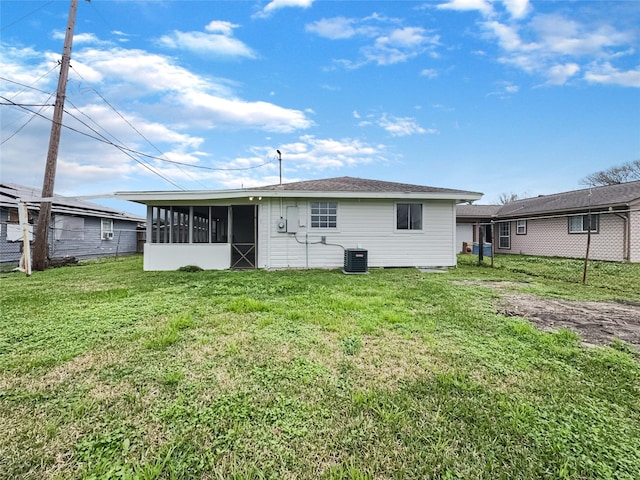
171 256
464 233
369 224
551 237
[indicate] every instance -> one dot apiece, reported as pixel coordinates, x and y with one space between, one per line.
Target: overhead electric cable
24 16
106 140
30 86
132 127
123 148
25 123
103 140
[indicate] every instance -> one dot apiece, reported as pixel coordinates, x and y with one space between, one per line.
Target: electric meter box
292 220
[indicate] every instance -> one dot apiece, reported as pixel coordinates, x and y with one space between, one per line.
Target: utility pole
41 244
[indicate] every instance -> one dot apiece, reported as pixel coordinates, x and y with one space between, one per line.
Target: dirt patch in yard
597 323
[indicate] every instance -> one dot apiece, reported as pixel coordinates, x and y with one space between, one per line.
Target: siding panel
368 224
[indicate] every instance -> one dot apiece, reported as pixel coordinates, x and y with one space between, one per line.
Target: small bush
190 268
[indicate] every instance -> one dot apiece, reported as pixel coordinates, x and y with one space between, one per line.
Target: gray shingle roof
352 184
477 211
10 193
596 197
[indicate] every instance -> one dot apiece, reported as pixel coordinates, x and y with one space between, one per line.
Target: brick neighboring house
558 225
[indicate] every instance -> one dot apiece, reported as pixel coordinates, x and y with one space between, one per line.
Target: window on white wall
324 214
582 223
409 216
521 227
504 235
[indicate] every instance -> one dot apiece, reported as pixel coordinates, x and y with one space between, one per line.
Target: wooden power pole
41 243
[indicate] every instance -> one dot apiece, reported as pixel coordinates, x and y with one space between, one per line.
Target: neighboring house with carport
561 224
78 228
469 219
305 224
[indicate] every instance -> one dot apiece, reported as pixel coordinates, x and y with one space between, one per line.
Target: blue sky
490 96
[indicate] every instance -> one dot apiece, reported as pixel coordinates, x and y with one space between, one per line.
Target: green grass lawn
107 371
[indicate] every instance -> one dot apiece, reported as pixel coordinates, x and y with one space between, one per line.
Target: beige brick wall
551 237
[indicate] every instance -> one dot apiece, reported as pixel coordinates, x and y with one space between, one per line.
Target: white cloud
80 38
429 73
402 126
559 74
508 36
507 89
274 5
172 105
558 48
219 42
468 5
517 8
391 43
569 37
221 26
311 153
333 28
608 75
399 45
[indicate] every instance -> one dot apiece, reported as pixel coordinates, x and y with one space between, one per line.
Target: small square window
324 215
521 227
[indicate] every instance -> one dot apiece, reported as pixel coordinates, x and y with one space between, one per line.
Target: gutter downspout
626 235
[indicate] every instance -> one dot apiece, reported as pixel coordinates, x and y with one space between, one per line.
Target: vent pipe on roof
280 162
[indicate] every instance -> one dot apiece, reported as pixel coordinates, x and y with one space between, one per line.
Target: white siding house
302 225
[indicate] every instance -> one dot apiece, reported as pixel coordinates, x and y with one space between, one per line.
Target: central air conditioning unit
355 260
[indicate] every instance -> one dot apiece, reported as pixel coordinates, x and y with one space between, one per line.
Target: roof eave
154 197
533 213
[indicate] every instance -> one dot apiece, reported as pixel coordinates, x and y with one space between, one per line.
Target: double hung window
504 235
583 223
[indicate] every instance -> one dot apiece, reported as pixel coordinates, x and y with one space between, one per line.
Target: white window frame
502 235
410 221
106 228
582 220
521 227
323 215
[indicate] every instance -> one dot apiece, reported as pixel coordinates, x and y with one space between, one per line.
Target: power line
130 150
122 149
34 82
25 123
132 126
24 16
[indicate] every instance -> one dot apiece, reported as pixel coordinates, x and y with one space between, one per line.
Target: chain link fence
584 248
